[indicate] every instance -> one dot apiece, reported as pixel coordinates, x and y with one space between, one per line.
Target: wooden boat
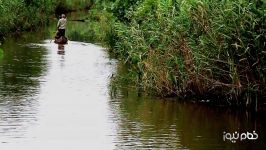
61 40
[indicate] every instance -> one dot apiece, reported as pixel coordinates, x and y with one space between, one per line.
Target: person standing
61 25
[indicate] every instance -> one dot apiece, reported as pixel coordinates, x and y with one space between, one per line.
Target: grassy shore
26 15
202 49
190 48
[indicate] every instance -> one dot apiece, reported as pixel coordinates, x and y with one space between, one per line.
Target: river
58 97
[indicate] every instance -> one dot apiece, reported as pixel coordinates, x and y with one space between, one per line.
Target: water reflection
70 107
61 49
21 71
57 100
152 123
52 100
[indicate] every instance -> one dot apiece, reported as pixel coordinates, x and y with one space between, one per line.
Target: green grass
1 53
204 49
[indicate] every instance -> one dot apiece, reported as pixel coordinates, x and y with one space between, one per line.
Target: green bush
17 15
192 47
120 8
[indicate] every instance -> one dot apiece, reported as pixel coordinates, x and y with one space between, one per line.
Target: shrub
19 15
179 47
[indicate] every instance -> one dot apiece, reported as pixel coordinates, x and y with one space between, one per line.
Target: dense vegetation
207 49
21 15
65 6
18 15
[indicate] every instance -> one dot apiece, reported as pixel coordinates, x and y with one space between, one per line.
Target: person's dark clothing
61 32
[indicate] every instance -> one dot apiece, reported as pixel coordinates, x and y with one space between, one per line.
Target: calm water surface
54 97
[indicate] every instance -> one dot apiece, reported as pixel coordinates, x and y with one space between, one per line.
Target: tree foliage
17 15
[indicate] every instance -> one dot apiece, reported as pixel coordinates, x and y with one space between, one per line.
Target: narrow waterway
57 97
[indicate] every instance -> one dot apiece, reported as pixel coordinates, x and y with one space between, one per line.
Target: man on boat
61 25
61 30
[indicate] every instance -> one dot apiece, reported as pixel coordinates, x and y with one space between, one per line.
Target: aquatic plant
195 48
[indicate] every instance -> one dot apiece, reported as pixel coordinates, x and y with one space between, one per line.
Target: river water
58 97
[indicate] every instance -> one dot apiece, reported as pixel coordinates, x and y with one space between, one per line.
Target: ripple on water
50 100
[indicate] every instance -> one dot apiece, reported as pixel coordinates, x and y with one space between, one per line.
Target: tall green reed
178 47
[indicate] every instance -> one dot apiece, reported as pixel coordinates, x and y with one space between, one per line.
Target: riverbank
50 99
211 51
195 49
17 16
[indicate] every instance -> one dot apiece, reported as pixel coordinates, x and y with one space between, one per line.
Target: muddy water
57 97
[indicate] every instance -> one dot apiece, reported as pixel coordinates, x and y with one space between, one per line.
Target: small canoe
61 40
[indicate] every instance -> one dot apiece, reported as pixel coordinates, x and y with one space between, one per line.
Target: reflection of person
61 49
61 26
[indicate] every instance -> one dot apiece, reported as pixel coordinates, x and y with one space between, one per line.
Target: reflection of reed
20 76
61 49
146 122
